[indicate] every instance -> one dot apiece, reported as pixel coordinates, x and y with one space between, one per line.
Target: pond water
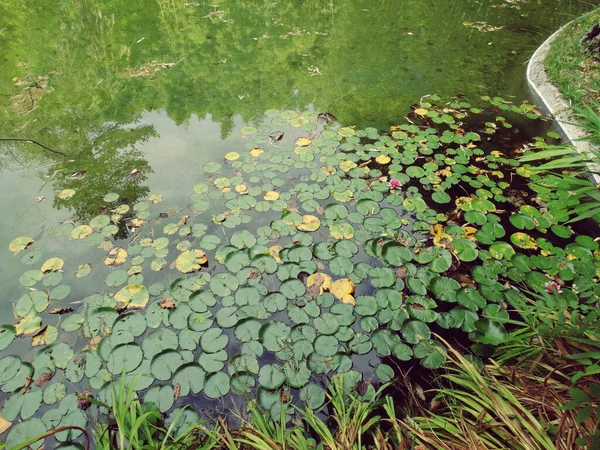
144 96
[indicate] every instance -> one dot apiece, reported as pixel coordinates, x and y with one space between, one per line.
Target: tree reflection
360 61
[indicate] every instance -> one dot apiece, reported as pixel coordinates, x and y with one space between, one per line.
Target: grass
475 407
575 73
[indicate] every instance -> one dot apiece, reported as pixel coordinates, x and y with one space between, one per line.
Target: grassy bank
575 72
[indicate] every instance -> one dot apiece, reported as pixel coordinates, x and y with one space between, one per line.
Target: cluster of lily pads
314 250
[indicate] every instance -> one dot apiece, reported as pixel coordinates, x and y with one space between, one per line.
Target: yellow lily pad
523 240
156 198
190 261
256 152
271 196
383 159
274 251
19 244
4 425
343 289
309 223
28 324
83 270
66 194
347 165
116 256
232 156
341 230
53 265
317 283
45 336
440 237
133 296
303 142
81 232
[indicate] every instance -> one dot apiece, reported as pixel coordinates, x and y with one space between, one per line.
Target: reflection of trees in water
239 58
111 164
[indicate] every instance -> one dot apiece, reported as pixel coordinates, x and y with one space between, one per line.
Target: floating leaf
383 159
431 353
19 244
7 335
27 325
133 296
523 240
81 232
343 289
25 431
115 257
54 393
271 376
34 301
211 167
124 358
309 223
112 197
217 385
45 336
317 283
271 196
190 261
232 156
341 230
83 270
53 265
66 194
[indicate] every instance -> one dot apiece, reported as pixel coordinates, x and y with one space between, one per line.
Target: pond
154 101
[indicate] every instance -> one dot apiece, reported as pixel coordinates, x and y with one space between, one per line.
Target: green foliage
566 182
273 269
570 67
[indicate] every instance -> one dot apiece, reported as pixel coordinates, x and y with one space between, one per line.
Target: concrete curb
549 98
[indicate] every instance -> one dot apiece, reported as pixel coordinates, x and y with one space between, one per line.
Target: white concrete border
549 98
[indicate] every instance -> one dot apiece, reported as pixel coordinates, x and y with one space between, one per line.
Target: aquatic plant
334 268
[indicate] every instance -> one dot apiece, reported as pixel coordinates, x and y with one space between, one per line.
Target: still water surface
141 94
161 85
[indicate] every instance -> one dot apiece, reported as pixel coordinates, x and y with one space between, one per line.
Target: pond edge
548 96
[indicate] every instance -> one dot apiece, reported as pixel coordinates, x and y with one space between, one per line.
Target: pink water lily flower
394 184
552 287
83 403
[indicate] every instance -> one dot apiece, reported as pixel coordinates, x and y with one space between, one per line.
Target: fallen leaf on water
167 303
43 379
